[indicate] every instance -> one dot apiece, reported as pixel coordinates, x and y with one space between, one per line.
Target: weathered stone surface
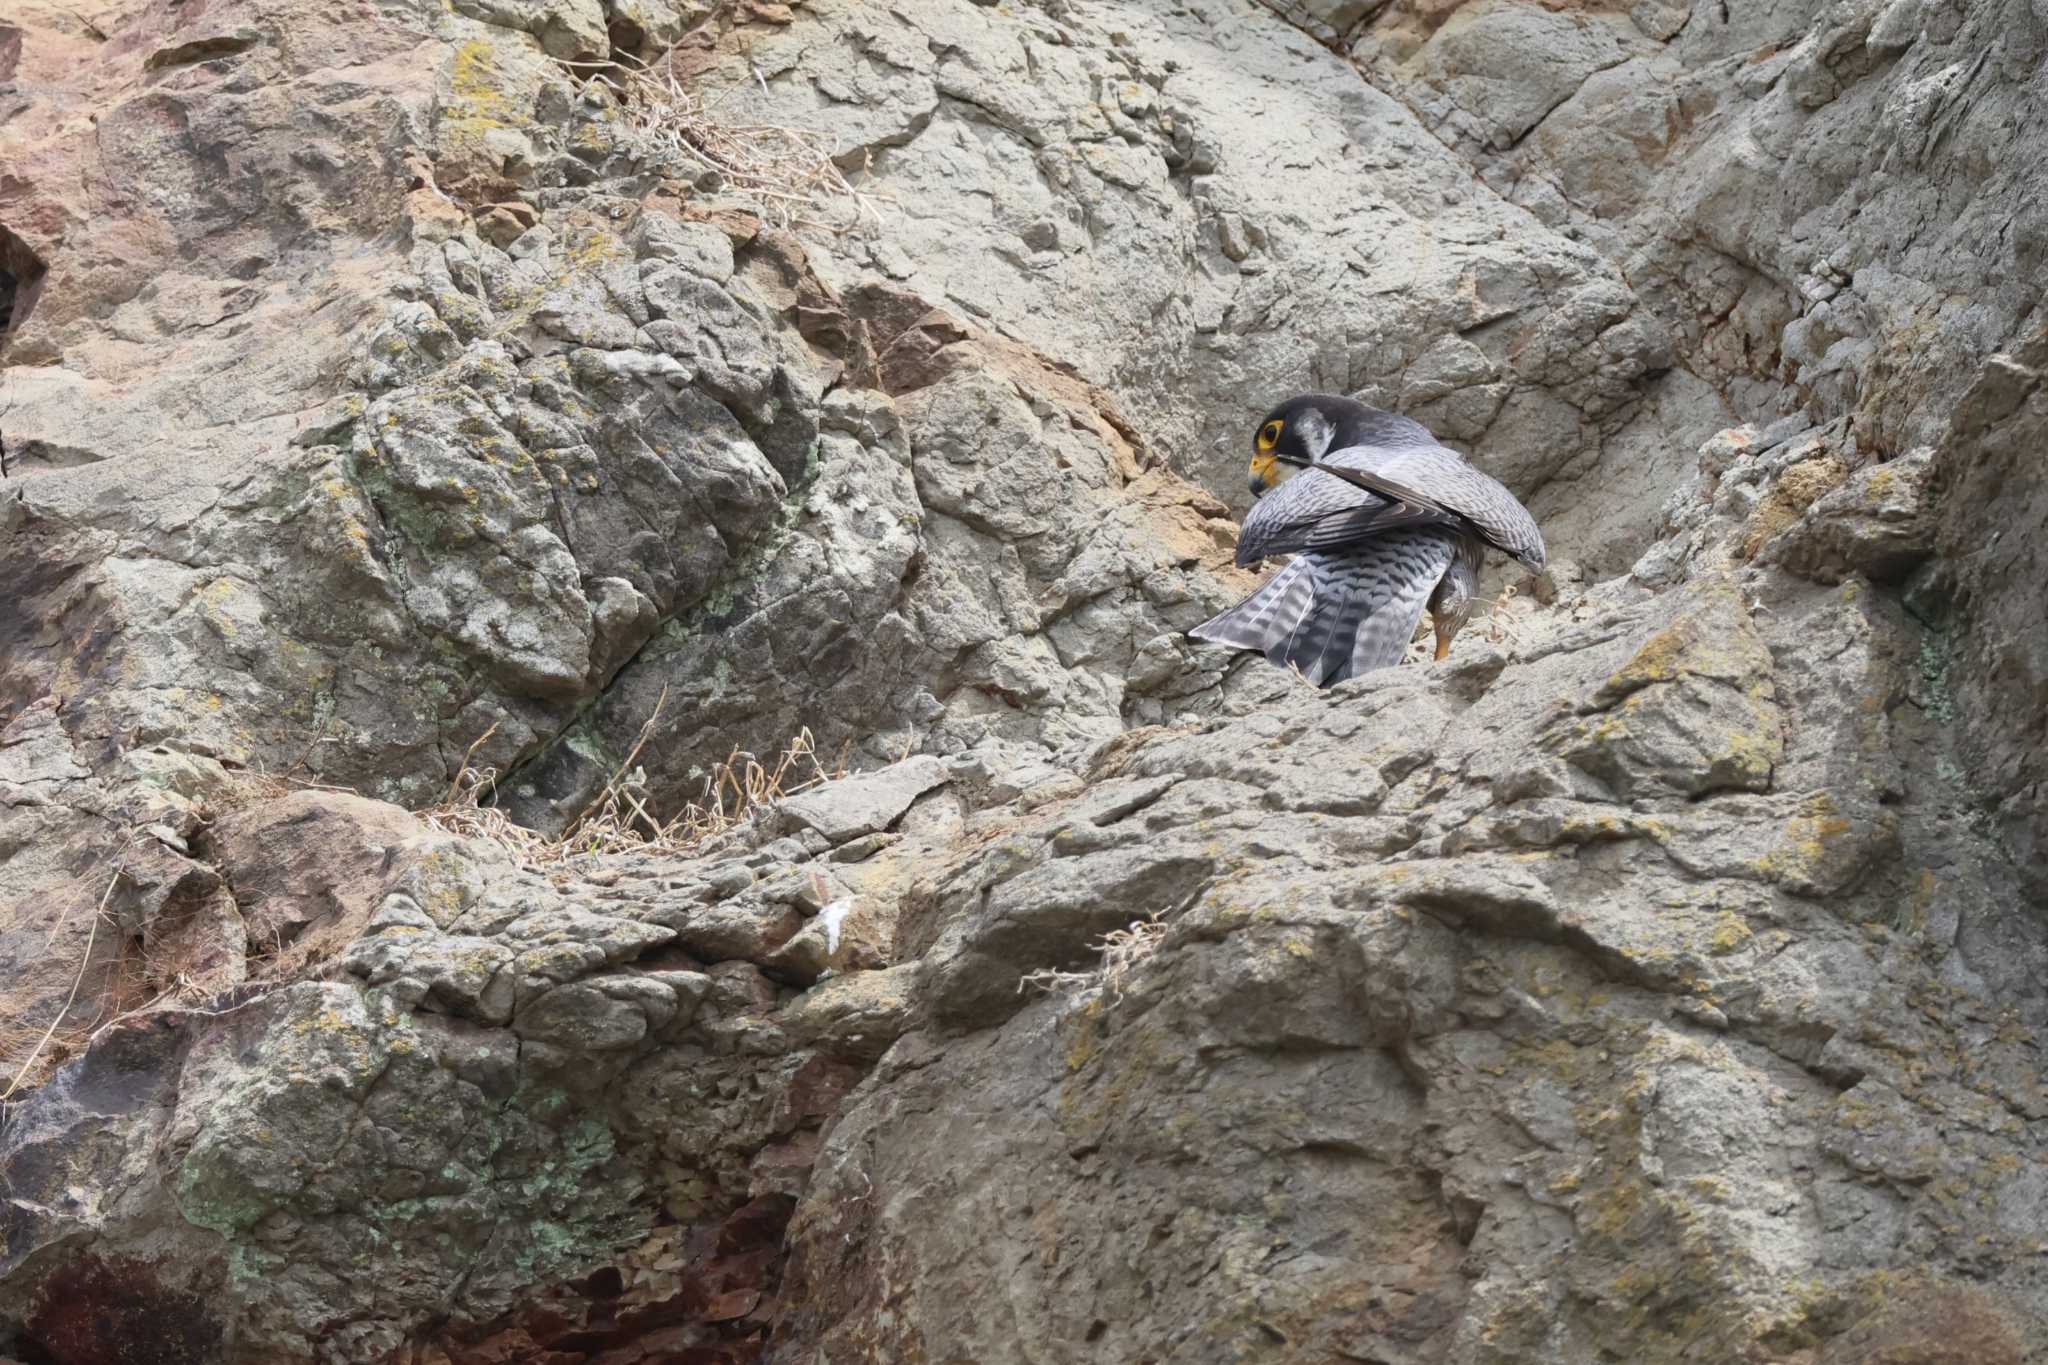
1826 207
1878 523
1990 674
867 804
501 467
314 862
1175 165
1380 907
104 900
1755 490
1658 1063
927 586
1694 711
1659 978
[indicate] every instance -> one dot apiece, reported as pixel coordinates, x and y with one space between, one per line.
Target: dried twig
1122 950
620 817
171 1002
612 787
1501 625
84 963
455 782
790 176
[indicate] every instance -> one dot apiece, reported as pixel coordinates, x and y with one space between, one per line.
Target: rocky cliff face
393 394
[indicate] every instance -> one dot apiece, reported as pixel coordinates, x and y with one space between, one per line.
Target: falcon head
1301 431
1450 606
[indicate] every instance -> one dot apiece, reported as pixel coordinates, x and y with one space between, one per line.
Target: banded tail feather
1272 613
1334 616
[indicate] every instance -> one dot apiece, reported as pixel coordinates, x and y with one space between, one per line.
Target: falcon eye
1269 435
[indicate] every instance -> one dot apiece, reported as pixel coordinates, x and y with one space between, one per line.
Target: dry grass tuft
42 1049
789 176
116 979
1503 624
462 811
619 819
1122 951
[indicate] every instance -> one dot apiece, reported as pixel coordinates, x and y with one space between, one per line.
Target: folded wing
1359 493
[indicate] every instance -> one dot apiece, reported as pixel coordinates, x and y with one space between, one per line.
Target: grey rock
1877 524
316 863
1217 278
585 1016
932 594
1987 673
1439 932
860 1015
1719 162
743 928
565 28
460 973
869 803
1694 711
1287 970
1659 977
1505 66
204 47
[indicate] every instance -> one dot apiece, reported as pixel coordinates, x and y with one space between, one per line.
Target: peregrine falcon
1382 521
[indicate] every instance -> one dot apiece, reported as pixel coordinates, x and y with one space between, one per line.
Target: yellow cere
1265 465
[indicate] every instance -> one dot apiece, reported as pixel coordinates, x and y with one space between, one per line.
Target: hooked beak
1262 469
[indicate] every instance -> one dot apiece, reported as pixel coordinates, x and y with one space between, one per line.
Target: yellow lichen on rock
1796 489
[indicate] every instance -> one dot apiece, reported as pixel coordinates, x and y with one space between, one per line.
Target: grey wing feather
1330 514
1447 480
1409 486
1276 519
1315 510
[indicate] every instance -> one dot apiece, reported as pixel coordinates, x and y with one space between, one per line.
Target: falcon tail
1269 617
1335 616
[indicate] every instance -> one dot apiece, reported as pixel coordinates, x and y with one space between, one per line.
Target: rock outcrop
1992 670
1823 204
402 406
